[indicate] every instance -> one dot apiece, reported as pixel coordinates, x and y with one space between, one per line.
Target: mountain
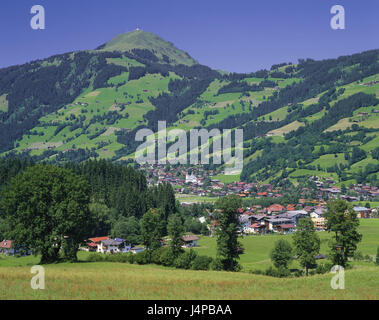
313 118
138 39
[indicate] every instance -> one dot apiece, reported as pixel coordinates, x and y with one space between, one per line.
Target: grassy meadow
108 280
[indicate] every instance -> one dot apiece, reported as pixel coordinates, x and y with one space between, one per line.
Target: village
200 182
263 210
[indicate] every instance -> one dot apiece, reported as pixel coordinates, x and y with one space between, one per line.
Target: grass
106 280
257 248
194 198
287 128
3 103
124 281
329 160
227 178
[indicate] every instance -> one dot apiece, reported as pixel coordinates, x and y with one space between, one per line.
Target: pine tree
175 231
227 232
307 243
281 255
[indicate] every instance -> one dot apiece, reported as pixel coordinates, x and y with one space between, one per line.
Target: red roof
92 244
275 207
287 226
98 239
6 244
255 225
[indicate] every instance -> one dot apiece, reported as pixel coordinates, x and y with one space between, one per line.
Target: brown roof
190 238
6 244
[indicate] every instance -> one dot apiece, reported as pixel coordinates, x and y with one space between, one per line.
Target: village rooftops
98 239
6 244
258 217
358 209
111 242
287 226
275 208
278 220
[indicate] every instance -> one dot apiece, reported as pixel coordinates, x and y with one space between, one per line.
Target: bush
277 272
216 265
312 272
184 261
167 258
131 257
298 273
142 257
201 263
156 255
324 268
95 257
117 257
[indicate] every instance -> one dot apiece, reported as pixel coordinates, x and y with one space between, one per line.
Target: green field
107 280
257 247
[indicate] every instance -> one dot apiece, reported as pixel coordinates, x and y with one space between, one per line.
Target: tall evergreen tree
175 231
307 243
281 255
227 232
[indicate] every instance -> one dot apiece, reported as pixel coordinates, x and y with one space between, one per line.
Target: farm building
190 241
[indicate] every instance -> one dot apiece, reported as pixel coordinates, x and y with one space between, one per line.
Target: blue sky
238 35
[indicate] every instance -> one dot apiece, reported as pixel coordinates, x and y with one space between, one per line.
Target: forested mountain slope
311 118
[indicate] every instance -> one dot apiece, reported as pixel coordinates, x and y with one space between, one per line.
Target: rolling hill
310 118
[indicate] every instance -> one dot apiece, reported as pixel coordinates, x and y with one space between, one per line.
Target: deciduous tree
47 209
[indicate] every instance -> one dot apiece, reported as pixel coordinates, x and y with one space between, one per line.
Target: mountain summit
139 39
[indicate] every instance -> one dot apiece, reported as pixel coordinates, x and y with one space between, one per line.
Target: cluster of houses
201 182
108 245
118 245
194 180
279 219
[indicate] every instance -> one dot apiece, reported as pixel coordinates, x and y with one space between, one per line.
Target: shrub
324 268
201 263
298 273
131 257
184 261
117 257
156 255
312 272
95 257
216 265
142 257
167 257
277 272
